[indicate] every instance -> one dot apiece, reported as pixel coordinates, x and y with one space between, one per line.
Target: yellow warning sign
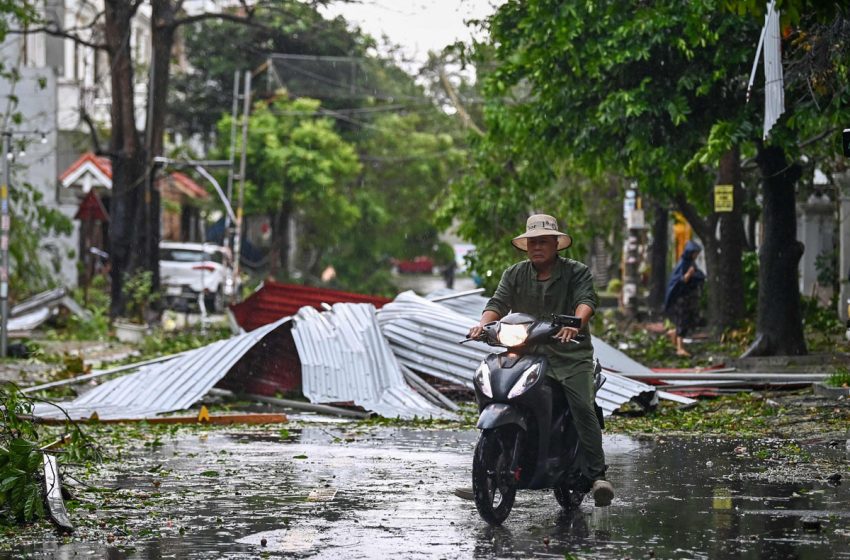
723 198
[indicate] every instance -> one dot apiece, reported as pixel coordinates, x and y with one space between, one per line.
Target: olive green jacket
571 284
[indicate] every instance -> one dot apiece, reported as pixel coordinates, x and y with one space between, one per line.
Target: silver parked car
190 269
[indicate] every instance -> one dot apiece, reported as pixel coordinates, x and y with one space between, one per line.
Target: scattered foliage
21 456
743 415
163 343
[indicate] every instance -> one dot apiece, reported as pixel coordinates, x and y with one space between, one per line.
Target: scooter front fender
500 414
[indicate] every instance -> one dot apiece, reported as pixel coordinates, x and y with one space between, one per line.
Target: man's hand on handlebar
475 332
566 334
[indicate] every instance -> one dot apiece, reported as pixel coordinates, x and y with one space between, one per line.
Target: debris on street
30 314
350 353
162 387
344 357
53 493
274 300
424 335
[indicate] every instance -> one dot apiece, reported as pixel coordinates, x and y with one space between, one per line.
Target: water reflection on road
336 492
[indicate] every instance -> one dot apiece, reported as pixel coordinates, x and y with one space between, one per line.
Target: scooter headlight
512 335
482 379
528 378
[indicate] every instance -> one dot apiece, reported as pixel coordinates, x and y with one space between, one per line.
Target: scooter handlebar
577 338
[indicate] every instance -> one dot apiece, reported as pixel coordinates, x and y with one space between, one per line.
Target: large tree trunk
126 153
658 258
163 31
285 223
728 309
779 328
279 251
134 232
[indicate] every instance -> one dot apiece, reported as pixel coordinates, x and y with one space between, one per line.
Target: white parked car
188 269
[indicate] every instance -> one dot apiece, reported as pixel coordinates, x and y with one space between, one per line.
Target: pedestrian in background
681 301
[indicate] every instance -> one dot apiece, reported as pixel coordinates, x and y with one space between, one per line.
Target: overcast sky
416 25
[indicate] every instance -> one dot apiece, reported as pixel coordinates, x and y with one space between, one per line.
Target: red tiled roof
187 185
101 162
274 301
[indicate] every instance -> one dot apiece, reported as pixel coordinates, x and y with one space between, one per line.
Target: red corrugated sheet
271 368
274 301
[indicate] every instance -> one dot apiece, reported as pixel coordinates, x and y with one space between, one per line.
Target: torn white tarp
345 358
162 387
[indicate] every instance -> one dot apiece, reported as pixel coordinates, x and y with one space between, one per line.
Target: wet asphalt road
336 491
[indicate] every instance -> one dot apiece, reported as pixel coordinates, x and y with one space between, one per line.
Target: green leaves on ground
20 490
21 457
744 414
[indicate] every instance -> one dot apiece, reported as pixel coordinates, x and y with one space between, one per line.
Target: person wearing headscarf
682 296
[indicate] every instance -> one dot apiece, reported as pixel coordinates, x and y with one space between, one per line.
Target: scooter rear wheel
493 485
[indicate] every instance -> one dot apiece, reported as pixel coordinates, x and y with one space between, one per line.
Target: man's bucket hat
537 226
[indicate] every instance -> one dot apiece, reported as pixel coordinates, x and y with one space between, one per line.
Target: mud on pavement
346 490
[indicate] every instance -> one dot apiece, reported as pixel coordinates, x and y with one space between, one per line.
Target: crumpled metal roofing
163 387
28 321
49 299
470 305
612 360
345 358
31 313
424 336
275 300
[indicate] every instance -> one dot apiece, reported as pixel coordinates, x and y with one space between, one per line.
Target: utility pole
4 246
150 251
246 113
234 113
632 254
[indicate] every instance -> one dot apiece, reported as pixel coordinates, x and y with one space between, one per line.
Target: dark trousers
581 396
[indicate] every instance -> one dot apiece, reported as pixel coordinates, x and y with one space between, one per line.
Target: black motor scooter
528 437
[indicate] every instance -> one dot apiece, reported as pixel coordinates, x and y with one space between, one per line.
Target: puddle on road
338 491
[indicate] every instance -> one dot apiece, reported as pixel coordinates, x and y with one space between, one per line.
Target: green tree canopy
298 166
585 91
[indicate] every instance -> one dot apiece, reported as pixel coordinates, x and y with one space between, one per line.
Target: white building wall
37 165
75 76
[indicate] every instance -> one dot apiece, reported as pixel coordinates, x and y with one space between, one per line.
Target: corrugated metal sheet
28 321
274 301
424 336
49 299
344 358
612 360
774 85
163 387
470 305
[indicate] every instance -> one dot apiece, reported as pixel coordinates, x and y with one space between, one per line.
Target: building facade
60 81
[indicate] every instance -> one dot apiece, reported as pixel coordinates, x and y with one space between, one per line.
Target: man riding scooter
547 284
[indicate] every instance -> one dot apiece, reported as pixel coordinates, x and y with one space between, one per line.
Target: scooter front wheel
569 498
493 484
